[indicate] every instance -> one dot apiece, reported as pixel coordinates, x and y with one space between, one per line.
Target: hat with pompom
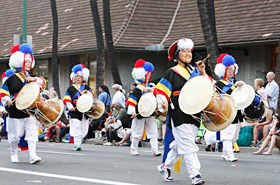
79 70
142 71
178 46
224 62
7 74
19 54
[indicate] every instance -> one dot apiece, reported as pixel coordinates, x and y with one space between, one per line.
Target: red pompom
220 58
83 65
15 48
139 63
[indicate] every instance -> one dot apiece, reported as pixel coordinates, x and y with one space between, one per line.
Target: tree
55 79
277 72
100 44
208 24
109 42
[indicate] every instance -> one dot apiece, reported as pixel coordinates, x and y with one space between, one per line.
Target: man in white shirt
272 90
119 94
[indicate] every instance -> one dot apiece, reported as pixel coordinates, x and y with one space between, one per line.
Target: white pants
137 129
184 145
78 129
228 137
16 129
210 137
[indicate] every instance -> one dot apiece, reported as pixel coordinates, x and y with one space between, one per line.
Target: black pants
63 131
112 135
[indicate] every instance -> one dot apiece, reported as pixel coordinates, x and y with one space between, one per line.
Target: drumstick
204 60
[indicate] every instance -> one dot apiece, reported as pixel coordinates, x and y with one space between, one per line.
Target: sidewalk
243 149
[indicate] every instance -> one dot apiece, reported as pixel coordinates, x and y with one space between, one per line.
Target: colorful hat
225 61
7 74
142 72
81 70
19 54
180 45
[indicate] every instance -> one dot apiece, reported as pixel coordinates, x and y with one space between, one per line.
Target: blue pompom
77 68
228 60
9 72
148 66
26 48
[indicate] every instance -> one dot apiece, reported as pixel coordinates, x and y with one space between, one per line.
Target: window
41 69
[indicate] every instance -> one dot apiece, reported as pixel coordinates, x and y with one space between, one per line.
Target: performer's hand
165 105
5 112
201 67
148 89
134 115
9 103
238 83
30 79
1 114
72 109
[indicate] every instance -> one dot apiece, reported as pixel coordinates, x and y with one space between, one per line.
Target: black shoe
207 149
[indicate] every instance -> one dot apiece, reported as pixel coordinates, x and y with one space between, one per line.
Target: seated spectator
126 136
273 137
262 127
259 86
120 113
245 137
54 130
114 130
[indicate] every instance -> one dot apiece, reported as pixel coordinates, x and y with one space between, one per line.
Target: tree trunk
277 72
208 24
109 42
100 45
55 78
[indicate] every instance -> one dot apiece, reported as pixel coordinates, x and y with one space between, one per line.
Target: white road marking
64 176
43 151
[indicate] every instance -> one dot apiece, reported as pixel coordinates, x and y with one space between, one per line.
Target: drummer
142 74
226 69
184 126
22 62
79 122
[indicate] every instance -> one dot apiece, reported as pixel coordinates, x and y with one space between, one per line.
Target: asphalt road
113 165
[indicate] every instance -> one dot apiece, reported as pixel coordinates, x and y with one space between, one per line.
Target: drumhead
84 103
195 95
147 104
27 95
243 96
231 118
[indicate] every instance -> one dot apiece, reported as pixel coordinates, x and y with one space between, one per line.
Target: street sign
18 39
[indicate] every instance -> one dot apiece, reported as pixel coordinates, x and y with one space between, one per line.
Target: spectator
114 130
119 94
104 96
54 130
274 137
259 86
120 113
262 127
272 90
245 136
126 136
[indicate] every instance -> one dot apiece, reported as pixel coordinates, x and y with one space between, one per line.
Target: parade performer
18 122
79 122
142 74
184 126
226 69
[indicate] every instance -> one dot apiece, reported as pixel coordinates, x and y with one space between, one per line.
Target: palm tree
208 24
100 44
55 79
109 42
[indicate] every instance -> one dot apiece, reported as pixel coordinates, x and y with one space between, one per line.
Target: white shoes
134 152
156 153
229 159
108 144
35 160
14 158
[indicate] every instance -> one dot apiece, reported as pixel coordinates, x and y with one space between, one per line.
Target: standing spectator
259 86
104 96
272 90
119 96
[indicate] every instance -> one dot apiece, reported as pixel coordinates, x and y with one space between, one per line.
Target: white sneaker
133 152
198 180
35 160
108 144
165 172
156 153
224 157
14 158
231 159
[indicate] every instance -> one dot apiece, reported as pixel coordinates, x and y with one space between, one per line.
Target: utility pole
24 22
